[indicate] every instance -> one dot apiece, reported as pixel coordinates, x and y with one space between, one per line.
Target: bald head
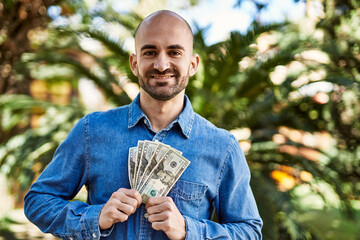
163 60
163 17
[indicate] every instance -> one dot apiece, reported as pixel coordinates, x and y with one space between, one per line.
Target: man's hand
165 216
121 204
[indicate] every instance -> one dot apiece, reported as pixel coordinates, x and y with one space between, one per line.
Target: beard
160 91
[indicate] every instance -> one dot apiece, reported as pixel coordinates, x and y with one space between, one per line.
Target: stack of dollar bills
154 168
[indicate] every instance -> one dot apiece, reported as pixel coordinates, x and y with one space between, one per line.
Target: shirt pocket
187 196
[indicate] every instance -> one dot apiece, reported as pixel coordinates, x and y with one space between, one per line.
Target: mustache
169 71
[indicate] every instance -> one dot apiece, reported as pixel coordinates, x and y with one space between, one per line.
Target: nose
162 62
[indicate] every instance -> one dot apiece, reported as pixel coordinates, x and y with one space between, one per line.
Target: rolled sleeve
90 222
194 228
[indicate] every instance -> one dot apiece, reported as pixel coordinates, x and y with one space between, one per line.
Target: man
95 155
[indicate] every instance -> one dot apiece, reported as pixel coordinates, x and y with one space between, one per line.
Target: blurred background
283 76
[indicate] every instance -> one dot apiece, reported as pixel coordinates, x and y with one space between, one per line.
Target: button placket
145 226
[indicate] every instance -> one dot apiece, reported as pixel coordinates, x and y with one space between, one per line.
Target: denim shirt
95 154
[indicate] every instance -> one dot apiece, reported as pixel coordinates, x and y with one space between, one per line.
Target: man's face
164 60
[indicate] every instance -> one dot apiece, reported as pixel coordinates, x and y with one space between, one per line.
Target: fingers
159 204
158 217
132 194
154 201
164 226
121 204
160 210
165 216
127 200
114 215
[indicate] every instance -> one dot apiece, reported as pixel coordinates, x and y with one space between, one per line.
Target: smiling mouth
162 76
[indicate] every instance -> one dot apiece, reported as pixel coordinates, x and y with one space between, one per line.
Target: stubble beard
165 94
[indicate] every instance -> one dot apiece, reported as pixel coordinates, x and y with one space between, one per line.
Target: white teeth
161 77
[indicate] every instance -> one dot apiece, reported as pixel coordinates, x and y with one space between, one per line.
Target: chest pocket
188 196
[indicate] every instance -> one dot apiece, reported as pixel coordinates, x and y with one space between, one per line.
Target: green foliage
28 153
5 231
332 227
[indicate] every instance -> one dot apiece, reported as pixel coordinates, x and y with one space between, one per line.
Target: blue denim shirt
95 154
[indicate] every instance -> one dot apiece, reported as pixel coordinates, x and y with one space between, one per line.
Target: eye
149 53
175 53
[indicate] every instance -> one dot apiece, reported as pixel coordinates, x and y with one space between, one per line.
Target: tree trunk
17 19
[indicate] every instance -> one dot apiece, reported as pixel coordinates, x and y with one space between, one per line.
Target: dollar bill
164 175
148 151
132 165
159 153
138 158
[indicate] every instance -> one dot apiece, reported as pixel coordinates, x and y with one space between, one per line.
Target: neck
161 113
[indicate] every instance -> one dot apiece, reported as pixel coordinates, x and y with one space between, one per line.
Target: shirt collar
185 119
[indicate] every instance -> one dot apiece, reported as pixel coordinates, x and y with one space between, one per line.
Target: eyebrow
149 46
176 46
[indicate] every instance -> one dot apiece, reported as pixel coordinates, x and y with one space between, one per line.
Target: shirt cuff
90 222
106 232
194 229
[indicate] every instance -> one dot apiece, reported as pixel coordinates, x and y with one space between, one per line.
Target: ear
194 64
133 64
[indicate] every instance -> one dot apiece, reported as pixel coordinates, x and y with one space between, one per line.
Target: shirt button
70 238
146 215
145 121
94 235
